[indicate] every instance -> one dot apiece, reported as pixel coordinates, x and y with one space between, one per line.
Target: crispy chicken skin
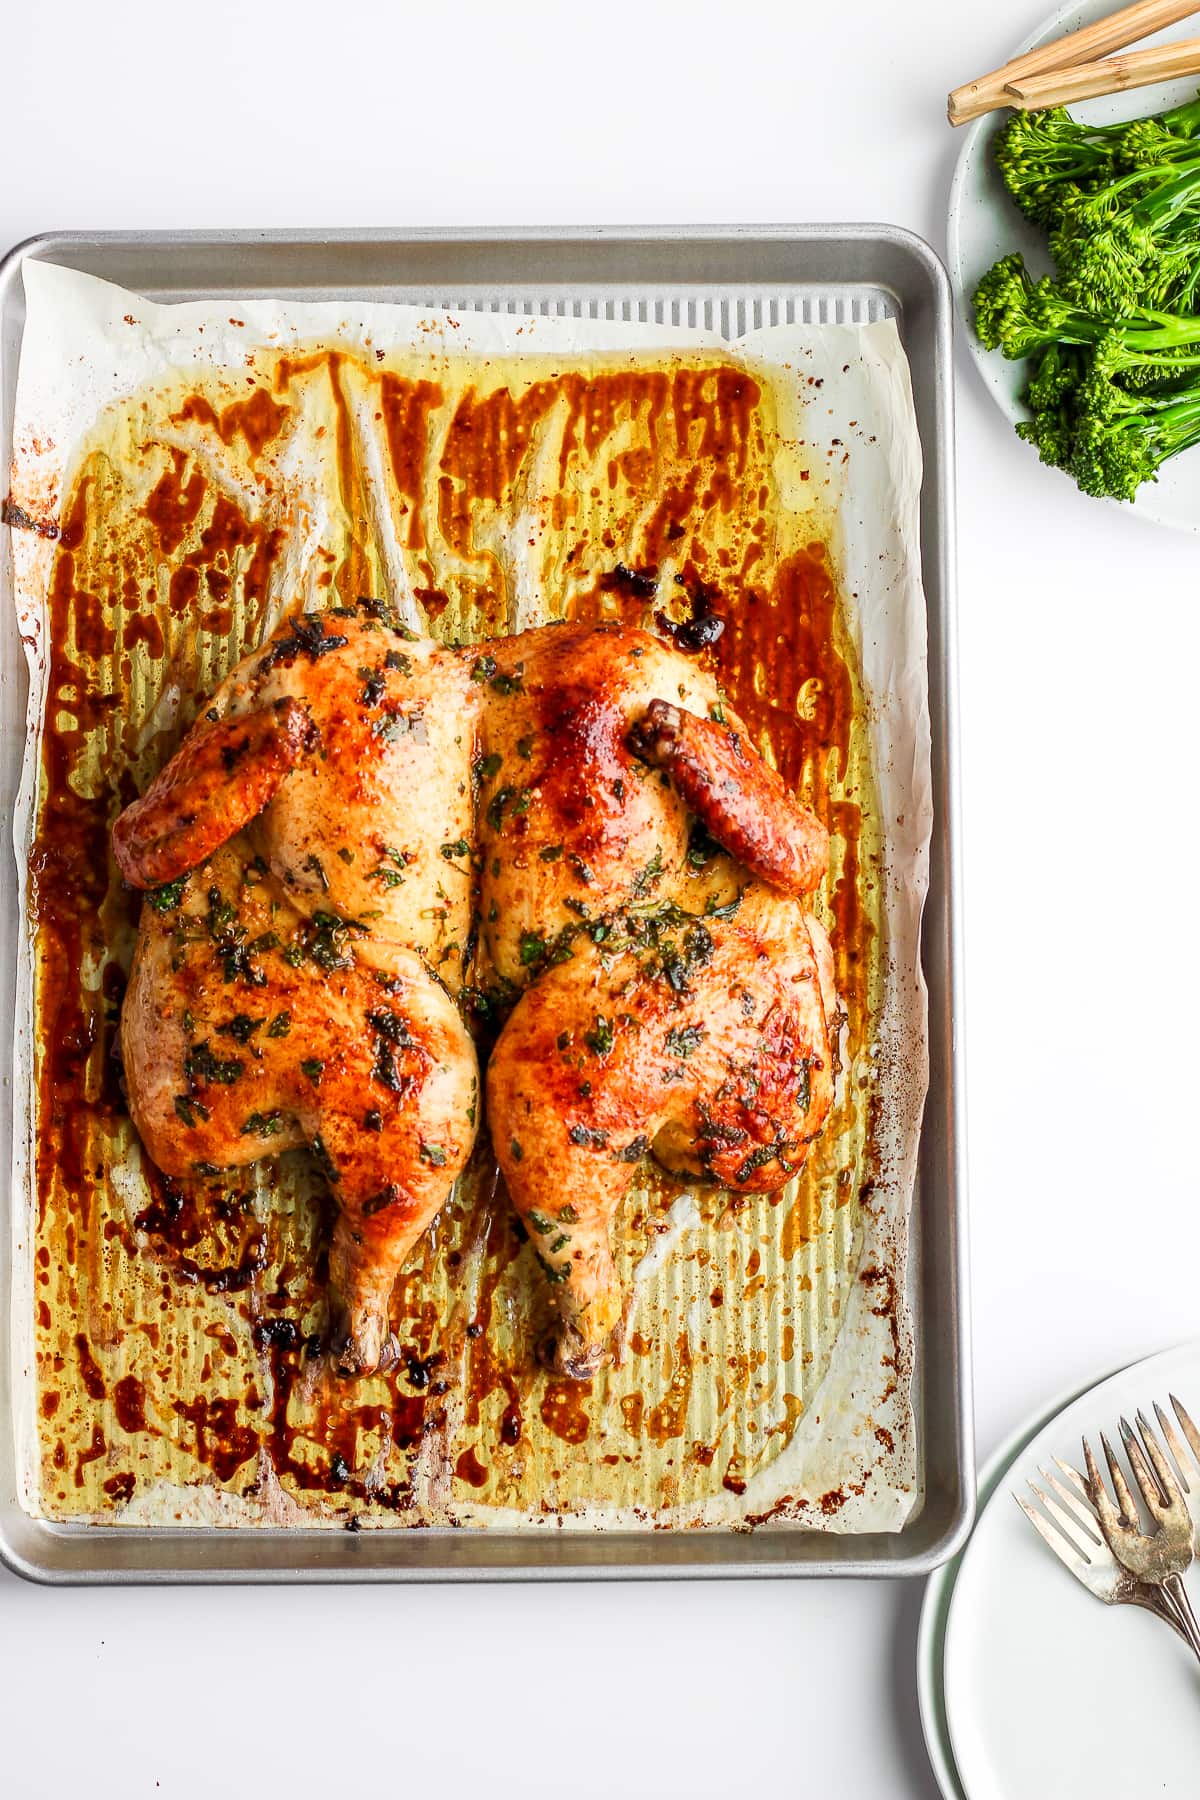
599 752
571 822
519 818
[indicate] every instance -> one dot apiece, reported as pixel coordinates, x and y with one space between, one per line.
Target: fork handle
1153 1600
1176 1595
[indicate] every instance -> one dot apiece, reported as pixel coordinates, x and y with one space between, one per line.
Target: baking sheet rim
944 869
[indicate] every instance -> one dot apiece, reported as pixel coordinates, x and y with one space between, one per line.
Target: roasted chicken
297 986
368 837
665 1014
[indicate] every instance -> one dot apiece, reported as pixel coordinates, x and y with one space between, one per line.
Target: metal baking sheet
729 280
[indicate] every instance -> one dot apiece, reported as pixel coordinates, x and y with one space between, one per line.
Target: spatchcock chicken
368 839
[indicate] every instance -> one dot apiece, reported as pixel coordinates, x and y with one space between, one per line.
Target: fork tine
1065 1552
1166 1475
1067 1523
1080 1511
1152 1494
1125 1500
1076 1479
1110 1521
1182 1460
1189 1430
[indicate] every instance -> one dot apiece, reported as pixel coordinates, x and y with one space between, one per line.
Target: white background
1080 634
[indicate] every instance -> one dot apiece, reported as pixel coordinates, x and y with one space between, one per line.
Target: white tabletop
1080 644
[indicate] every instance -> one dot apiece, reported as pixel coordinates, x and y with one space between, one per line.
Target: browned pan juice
177 1323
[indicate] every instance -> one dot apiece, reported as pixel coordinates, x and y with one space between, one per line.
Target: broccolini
1114 337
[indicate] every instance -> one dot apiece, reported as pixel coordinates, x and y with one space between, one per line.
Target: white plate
984 225
1046 1691
935 1608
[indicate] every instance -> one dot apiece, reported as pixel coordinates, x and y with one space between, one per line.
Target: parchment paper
848 447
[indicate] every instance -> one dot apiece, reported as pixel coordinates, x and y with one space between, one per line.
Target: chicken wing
223 776
743 804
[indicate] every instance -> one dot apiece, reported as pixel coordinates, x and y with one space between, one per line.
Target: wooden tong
1078 66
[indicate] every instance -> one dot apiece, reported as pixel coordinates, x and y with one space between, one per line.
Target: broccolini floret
1020 316
1133 242
1045 157
1119 445
1039 154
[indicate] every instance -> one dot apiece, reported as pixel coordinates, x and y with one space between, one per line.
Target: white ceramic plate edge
939 1590
936 1616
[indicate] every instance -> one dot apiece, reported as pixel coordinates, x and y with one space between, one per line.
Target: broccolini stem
1168 200
1177 424
1183 121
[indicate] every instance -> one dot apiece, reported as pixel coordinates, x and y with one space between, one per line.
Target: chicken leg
705 1042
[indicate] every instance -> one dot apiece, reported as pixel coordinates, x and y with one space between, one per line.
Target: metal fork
1187 1462
1159 1556
1067 1523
